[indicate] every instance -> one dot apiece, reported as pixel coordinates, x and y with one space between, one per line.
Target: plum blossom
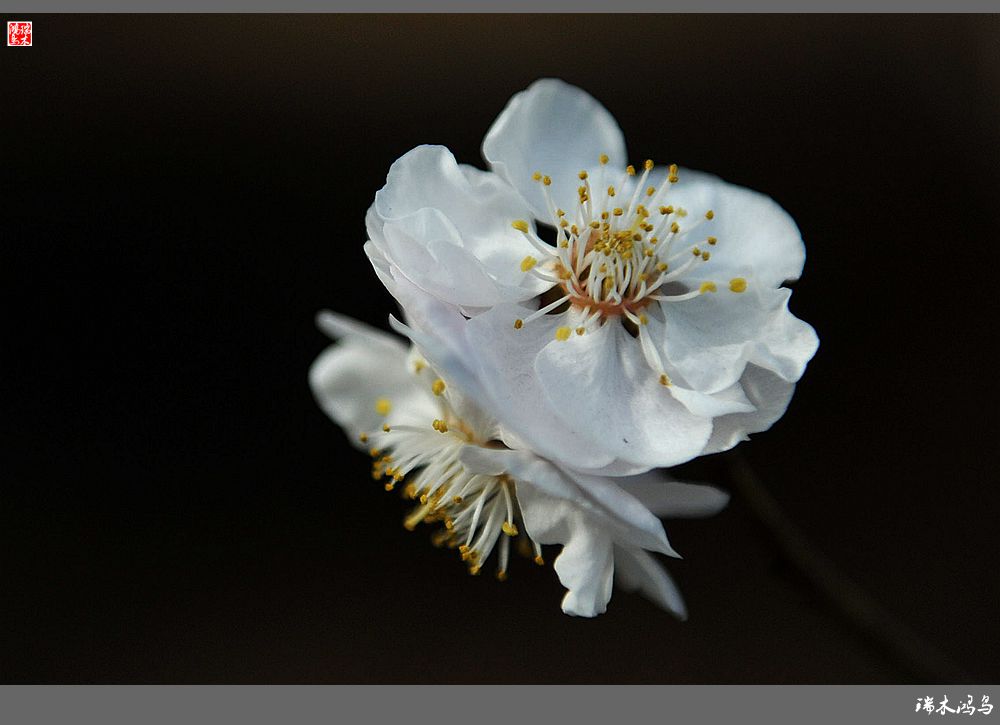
430 440
614 318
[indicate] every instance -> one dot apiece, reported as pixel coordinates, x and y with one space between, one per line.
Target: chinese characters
968 707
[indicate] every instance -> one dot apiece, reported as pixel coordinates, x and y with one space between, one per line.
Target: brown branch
921 659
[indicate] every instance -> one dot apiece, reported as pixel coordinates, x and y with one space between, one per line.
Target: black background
180 195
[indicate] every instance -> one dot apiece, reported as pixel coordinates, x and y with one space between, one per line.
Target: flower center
618 249
479 512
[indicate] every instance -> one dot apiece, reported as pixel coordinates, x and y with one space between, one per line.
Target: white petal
586 565
635 523
710 405
586 568
365 366
674 499
709 339
423 310
637 570
337 326
431 199
523 466
554 128
504 359
423 247
601 498
752 230
769 393
438 331
602 384
447 360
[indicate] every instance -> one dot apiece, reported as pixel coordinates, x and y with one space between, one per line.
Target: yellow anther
383 406
630 170
474 569
386 428
501 575
582 175
662 267
611 191
539 560
457 500
710 214
520 225
650 191
527 263
738 284
374 452
618 211
390 485
509 528
664 380
580 330
423 498
438 386
363 437
673 178
595 225
673 169
547 180
537 176
560 212
648 165
666 210
643 320
449 524
562 334
705 256
603 158
563 223
696 252
518 324
419 365
440 426
707 287
712 240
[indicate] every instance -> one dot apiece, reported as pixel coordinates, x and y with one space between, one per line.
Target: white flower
653 326
437 445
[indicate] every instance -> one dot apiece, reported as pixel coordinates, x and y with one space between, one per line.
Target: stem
921 659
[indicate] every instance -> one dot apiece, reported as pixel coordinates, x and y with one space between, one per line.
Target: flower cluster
575 322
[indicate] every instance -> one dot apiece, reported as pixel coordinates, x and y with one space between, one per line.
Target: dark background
181 194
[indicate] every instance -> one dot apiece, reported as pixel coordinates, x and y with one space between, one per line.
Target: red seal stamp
19 32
